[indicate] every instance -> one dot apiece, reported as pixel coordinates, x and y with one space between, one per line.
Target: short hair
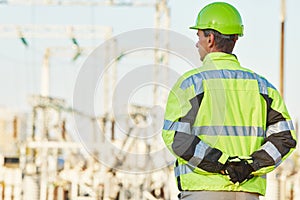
224 43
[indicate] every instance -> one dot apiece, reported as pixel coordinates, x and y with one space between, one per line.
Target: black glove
239 171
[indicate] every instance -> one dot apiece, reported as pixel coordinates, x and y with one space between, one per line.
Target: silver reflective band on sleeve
177 126
228 131
199 154
279 127
183 169
196 79
272 151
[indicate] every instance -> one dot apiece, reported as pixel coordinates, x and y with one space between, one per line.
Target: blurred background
43 46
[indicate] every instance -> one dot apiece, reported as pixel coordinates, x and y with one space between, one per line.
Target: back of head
223 21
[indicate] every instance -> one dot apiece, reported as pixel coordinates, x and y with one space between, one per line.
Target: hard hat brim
194 27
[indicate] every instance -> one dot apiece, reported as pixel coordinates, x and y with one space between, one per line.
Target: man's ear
211 40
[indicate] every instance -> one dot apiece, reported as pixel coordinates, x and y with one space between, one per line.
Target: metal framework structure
43 31
162 20
42 104
71 32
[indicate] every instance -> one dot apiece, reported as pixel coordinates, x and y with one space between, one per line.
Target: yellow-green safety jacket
223 110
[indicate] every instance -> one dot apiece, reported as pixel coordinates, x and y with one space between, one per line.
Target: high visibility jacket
222 110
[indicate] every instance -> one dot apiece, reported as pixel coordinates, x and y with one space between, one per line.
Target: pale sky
258 49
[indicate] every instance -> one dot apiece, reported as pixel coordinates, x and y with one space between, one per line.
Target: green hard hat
222 17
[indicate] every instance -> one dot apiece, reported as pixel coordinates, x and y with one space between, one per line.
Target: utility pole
281 69
282 176
162 21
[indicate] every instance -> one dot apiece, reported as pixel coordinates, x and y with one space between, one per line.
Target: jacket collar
220 60
219 56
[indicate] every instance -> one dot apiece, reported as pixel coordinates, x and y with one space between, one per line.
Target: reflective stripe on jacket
223 110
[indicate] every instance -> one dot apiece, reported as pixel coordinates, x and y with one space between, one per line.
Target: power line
79 2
